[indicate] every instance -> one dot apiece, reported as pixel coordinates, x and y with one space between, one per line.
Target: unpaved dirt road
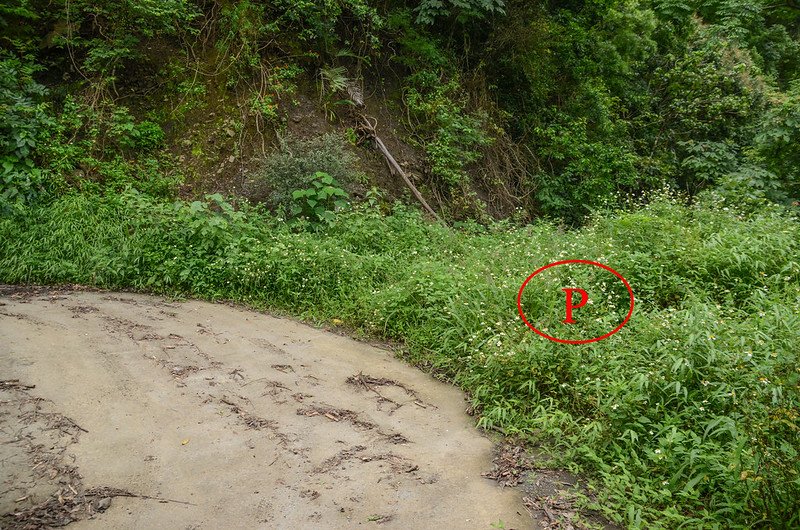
127 411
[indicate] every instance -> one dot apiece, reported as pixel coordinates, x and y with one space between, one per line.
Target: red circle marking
565 262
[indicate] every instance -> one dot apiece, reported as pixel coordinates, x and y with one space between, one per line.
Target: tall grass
687 417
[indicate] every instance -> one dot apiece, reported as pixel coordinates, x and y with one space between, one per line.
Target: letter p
570 306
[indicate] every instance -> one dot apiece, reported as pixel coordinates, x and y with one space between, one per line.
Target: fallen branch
394 167
14 383
115 492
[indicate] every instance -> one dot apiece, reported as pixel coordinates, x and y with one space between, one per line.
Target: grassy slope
689 414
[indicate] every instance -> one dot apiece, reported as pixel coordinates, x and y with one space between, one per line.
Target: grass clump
687 417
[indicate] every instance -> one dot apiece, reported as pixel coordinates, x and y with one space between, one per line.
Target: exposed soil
123 410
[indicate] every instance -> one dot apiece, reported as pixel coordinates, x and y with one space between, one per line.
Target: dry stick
161 499
360 380
14 383
76 425
395 167
148 497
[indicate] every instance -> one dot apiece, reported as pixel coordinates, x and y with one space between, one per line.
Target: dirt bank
121 410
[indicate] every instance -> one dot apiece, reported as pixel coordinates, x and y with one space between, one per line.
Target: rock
103 504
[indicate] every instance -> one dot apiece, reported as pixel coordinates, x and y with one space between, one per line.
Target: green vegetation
218 150
689 415
321 201
295 164
549 109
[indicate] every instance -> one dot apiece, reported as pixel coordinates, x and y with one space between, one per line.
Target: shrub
452 135
105 146
320 202
462 10
777 139
25 120
294 166
147 136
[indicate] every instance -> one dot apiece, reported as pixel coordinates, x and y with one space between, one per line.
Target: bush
104 146
777 139
147 136
293 166
321 201
25 120
452 135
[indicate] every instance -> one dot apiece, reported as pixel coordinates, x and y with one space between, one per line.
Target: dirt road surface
120 410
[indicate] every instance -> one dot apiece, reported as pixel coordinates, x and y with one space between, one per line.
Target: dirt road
127 411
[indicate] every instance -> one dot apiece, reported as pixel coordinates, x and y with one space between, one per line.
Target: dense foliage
538 131
590 98
687 416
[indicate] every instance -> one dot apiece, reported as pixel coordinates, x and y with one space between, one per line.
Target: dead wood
369 127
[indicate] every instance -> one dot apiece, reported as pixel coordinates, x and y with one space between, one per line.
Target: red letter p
570 306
